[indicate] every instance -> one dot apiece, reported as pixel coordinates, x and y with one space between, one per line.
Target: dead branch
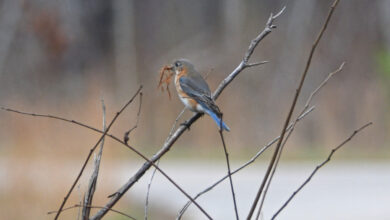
87 202
169 143
319 167
91 151
298 91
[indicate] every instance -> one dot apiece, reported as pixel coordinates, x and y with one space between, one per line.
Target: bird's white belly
188 104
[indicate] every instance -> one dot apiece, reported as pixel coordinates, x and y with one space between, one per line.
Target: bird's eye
177 64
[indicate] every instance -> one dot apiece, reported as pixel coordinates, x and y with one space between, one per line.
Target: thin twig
308 101
319 167
175 136
93 207
93 180
324 82
52 117
81 124
174 124
208 74
148 192
80 202
127 133
90 153
185 207
256 64
228 167
298 91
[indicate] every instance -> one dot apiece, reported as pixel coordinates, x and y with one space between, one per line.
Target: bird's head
182 65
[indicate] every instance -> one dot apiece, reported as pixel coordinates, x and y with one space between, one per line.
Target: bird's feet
186 124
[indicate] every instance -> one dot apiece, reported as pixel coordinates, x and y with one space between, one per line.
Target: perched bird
194 92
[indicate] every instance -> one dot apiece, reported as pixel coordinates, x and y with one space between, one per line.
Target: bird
194 91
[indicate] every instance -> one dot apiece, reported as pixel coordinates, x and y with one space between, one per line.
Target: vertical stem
298 91
228 166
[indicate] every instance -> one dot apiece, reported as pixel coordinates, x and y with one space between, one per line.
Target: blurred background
62 57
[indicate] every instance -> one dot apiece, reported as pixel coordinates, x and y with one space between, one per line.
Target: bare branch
127 133
93 207
319 167
87 202
261 151
228 167
322 84
208 74
147 193
268 28
298 91
256 64
175 136
91 150
174 124
51 117
81 124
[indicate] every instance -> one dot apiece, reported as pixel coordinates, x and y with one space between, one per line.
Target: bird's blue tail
217 120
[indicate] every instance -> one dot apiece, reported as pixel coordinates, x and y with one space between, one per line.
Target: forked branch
287 121
319 167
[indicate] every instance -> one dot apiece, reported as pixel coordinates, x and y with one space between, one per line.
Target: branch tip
279 13
256 64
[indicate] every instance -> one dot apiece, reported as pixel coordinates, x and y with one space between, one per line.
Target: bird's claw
186 124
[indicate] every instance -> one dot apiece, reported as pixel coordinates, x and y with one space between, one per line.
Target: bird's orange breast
188 101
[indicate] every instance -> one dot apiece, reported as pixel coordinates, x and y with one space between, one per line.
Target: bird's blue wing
197 92
195 87
202 95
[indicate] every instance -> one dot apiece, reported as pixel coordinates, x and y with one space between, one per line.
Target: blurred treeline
60 57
